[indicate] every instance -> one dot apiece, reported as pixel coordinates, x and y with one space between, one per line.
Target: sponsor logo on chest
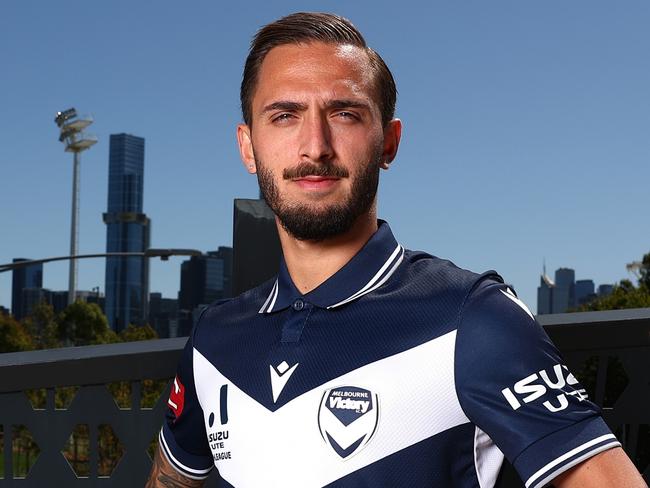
216 427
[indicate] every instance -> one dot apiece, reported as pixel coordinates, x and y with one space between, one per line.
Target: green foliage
134 333
625 294
14 336
79 324
644 280
82 324
42 326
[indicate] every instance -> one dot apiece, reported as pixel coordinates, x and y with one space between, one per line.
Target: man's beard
307 222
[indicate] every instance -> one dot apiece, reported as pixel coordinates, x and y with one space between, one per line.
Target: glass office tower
127 230
24 277
204 279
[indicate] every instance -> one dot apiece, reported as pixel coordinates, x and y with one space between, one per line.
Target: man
363 364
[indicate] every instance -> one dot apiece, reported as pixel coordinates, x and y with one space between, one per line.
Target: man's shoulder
439 275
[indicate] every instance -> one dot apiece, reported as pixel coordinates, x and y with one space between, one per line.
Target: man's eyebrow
338 104
301 107
285 105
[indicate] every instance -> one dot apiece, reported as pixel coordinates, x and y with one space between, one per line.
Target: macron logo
279 377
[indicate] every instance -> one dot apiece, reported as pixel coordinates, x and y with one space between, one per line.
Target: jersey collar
365 272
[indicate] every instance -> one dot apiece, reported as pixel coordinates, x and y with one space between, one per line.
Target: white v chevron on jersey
279 377
410 413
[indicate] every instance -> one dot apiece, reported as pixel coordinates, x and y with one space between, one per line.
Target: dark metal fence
608 351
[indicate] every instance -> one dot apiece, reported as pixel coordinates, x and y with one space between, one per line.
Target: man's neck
311 263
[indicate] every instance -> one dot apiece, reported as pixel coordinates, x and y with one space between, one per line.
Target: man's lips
313 182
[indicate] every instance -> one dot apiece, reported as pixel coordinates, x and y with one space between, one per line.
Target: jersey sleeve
183 437
513 385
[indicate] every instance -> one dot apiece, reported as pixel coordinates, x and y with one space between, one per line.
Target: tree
13 335
625 294
82 324
134 333
42 326
644 280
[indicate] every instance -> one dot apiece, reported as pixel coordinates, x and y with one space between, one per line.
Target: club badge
348 418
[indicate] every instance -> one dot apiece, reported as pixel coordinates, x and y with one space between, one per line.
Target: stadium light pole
75 140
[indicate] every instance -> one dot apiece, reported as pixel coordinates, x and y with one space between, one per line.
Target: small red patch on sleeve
177 397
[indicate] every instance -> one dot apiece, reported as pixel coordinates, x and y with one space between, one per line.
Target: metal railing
608 351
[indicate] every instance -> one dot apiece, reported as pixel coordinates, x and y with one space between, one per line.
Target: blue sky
526 128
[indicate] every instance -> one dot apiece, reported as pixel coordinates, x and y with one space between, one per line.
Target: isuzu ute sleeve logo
348 418
531 388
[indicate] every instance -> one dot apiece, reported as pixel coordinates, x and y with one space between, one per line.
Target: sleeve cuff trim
196 474
552 469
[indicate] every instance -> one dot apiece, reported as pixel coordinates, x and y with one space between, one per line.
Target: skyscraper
584 291
564 296
204 279
127 230
565 293
24 277
545 294
163 314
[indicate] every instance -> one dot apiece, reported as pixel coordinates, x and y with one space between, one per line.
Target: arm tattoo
163 475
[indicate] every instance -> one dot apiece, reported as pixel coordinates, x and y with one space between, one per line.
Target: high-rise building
24 277
224 254
585 291
163 315
33 297
604 290
127 230
204 279
564 292
59 300
545 295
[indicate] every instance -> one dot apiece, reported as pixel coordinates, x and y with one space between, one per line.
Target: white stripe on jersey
195 474
533 480
373 284
271 298
287 445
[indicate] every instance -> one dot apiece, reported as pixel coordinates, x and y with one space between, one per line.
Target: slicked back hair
304 27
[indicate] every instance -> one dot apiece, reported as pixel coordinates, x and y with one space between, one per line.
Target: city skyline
525 130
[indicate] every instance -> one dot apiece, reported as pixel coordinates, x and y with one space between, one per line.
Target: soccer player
364 364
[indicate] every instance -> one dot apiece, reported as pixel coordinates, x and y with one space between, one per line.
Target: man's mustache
310 169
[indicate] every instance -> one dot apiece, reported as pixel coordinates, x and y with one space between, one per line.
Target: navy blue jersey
401 370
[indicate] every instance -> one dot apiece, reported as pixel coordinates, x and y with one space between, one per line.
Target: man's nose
315 139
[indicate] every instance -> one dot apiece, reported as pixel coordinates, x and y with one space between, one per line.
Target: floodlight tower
75 140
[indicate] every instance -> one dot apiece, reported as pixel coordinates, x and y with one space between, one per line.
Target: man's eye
282 117
346 115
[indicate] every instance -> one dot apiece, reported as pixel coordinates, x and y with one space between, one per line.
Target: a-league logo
348 418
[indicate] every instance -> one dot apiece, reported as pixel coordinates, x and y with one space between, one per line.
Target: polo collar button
298 305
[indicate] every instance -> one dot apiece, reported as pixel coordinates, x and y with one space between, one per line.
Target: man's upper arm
513 384
183 438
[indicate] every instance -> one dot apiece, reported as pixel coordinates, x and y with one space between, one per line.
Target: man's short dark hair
303 27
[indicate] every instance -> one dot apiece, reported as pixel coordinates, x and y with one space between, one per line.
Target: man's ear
392 136
246 152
